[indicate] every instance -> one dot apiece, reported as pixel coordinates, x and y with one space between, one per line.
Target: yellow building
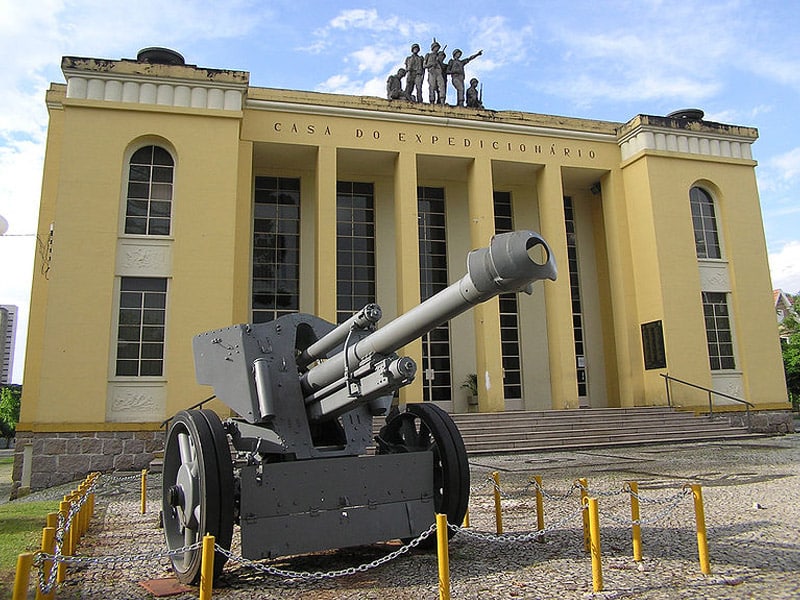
179 199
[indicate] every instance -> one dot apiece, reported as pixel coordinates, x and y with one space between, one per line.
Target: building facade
181 200
8 335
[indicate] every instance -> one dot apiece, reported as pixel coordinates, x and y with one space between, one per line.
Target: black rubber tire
426 427
204 478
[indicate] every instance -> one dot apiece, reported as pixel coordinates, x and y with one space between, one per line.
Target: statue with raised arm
434 65
415 72
455 68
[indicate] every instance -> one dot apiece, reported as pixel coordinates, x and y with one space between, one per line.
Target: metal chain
555 497
508 495
644 500
599 493
319 575
673 501
516 537
64 525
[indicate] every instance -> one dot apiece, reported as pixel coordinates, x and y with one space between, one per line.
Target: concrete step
521 431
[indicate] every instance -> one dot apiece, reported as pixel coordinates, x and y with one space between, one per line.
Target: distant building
182 199
8 333
784 307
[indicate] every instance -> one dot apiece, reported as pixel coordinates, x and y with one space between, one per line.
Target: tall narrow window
509 312
718 331
140 336
704 220
355 247
575 293
150 178
276 248
433 279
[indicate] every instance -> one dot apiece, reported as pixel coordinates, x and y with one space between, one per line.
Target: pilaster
325 230
407 257
561 350
488 349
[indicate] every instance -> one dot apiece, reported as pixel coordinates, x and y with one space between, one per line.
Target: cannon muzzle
512 262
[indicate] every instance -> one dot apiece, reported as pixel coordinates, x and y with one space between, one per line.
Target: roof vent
691 114
160 56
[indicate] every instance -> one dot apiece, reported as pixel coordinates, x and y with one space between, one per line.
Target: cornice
662 134
426 119
136 88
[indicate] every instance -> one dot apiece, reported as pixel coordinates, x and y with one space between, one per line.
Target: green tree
790 348
10 397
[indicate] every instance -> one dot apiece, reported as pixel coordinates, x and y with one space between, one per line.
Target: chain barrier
106 482
509 538
320 575
670 502
64 525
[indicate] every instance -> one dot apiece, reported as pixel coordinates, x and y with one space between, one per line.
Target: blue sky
738 60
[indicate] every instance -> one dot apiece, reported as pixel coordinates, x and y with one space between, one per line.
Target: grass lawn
21 526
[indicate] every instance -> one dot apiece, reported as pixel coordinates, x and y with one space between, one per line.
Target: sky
737 60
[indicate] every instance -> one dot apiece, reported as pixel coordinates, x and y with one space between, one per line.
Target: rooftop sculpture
433 63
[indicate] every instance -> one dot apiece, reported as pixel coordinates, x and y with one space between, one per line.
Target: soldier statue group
433 62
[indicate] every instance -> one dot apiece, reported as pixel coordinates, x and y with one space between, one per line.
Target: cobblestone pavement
750 489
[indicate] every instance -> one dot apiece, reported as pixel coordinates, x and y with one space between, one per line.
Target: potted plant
470 384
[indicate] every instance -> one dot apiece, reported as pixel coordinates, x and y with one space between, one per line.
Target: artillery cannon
292 468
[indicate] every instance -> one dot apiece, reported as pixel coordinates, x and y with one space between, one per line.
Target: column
407 258
325 229
620 274
488 349
561 346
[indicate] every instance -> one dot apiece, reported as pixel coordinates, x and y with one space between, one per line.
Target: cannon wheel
426 427
197 490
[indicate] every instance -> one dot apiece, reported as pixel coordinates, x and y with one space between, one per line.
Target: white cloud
787 165
785 267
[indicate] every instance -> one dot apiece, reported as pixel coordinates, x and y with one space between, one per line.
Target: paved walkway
751 490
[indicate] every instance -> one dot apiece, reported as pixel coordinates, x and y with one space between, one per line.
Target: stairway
523 431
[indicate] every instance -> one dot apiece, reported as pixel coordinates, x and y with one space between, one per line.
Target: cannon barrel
511 263
366 317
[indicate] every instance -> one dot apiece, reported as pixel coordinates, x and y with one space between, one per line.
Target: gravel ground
750 489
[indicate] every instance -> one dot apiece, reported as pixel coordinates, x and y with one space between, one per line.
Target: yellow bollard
700 520
594 534
584 497
443 556
90 502
63 509
207 568
52 520
48 545
539 507
633 487
498 511
144 491
466 519
81 515
23 576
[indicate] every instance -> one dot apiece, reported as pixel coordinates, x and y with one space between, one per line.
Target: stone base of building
61 457
777 422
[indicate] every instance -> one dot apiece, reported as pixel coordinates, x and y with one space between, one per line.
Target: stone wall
59 457
771 422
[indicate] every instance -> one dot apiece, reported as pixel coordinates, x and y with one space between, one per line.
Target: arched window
704 220
149 204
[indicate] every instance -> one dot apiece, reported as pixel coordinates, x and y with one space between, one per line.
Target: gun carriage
292 468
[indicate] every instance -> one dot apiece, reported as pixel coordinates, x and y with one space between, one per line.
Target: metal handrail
192 407
748 405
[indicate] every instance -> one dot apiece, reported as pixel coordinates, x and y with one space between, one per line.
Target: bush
10 397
